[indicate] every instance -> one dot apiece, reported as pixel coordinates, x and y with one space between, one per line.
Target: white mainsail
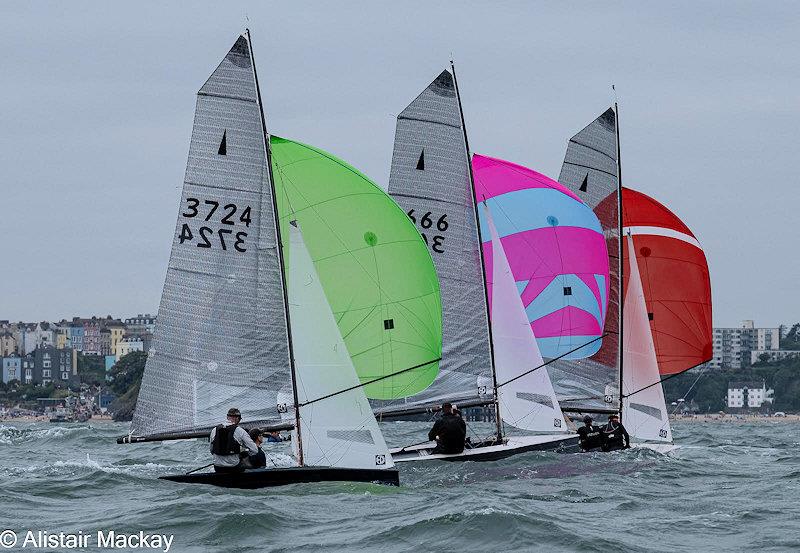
341 430
529 402
644 413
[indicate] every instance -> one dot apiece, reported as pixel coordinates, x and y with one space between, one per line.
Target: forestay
220 337
430 179
528 402
375 269
340 430
644 412
590 171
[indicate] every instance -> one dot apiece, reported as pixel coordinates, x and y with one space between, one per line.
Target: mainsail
644 412
374 267
337 427
430 179
526 401
557 252
221 334
675 277
590 171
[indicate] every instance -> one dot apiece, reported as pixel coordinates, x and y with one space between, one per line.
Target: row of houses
44 365
92 336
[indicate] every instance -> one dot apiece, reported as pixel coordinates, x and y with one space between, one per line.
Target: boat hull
513 445
267 478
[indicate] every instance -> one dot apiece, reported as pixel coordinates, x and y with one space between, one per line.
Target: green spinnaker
375 268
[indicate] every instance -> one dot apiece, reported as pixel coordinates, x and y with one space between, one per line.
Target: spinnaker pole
498 420
268 153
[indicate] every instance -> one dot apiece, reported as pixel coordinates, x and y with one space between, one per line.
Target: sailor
275 436
258 460
589 436
614 435
228 442
449 431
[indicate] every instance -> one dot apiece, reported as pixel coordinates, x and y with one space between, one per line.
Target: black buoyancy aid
613 435
224 441
590 437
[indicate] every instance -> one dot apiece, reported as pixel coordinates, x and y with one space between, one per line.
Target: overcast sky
98 99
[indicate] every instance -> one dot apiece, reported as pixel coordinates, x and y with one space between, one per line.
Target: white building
129 344
732 346
748 395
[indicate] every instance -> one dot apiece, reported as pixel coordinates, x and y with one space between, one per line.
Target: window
64 376
47 364
567 290
46 373
388 324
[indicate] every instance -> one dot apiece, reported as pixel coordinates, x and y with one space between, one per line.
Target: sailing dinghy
431 178
664 321
245 322
336 436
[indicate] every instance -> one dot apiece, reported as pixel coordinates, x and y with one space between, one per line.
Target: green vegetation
91 369
126 377
711 388
792 339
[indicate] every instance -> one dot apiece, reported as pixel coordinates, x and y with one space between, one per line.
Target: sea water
730 487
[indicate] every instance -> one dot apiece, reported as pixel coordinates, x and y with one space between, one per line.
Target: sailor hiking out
614 435
589 436
231 444
449 431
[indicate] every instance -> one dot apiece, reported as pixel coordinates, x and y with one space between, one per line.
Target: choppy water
731 487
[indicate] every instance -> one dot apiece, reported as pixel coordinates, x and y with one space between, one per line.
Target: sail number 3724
229 216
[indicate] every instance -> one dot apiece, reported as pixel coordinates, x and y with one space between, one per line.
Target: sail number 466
427 222
225 237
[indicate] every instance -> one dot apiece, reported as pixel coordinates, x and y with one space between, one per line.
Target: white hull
513 445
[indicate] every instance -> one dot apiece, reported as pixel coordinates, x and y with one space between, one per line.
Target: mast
620 264
268 154
498 420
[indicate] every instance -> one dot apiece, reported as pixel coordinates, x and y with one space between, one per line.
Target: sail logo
557 423
380 460
282 408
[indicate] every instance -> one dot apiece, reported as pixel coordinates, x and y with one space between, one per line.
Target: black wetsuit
590 438
615 437
452 430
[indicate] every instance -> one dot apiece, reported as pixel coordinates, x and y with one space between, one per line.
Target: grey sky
98 100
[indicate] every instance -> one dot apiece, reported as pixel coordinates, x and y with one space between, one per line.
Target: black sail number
214 211
427 222
204 243
191 204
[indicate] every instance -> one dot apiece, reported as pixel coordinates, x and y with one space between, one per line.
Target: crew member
258 460
275 436
614 435
449 431
228 442
589 436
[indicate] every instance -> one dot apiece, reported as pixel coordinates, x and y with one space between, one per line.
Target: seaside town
65 371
